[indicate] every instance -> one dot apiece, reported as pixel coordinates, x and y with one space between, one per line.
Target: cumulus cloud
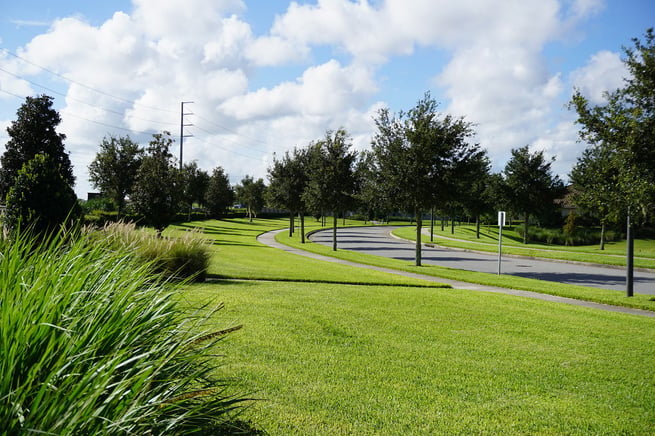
604 72
130 74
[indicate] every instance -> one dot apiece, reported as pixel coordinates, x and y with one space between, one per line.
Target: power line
54 91
91 88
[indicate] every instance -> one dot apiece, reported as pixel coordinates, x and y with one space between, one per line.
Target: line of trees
615 176
419 161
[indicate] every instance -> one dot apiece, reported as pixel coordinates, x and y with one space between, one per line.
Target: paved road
377 240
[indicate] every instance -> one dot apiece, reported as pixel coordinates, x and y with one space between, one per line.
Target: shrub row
581 236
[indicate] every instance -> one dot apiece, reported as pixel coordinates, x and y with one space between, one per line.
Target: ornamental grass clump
185 255
92 342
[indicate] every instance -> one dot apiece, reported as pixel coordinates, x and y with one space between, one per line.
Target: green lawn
326 357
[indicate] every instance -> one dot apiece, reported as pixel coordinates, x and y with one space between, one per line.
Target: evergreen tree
156 190
34 132
40 199
220 195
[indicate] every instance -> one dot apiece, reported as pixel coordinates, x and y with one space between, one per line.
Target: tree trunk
602 235
525 228
477 226
452 226
290 224
302 227
334 232
432 225
419 222
344 218
442 220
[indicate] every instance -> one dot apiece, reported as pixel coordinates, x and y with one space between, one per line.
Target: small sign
501 218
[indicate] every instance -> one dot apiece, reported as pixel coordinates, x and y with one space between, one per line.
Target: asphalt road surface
377 241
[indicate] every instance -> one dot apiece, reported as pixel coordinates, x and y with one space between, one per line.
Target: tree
473 187
622 129
420 156
531 186
371 196
156 190
41 199
251 194
332 175
114 169
220 195
288 179
194 183
594 179
34 132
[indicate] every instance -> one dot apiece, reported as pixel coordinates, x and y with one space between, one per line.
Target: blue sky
266 76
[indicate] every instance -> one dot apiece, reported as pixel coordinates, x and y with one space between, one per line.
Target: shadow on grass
217 278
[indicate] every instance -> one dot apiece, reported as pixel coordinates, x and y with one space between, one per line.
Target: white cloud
604 72
167 51
321 91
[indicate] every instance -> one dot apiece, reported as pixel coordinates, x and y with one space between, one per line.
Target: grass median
326 357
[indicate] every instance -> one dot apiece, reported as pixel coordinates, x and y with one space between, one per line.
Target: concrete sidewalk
269 239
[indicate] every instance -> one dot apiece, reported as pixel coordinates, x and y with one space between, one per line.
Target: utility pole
182 126
630 253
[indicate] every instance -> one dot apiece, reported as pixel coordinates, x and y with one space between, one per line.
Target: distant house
565 203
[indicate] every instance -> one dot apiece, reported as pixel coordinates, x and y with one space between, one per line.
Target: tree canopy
622 130
219 195
332 181
421 157
34 132
157 191
531 187
40 199
114 168
251 193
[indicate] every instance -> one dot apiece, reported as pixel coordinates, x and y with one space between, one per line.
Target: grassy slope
355 359
329 358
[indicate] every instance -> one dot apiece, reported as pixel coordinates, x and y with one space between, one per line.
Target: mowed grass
361 359
325 357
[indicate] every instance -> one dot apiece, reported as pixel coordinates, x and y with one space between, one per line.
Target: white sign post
501 223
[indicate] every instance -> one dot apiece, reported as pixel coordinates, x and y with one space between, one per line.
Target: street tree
114 169
288 179
34 132
531 187
371 196
420 156
473 190
156 190
593 180
194 183
332 179
41 199
219 195
251 193
623 127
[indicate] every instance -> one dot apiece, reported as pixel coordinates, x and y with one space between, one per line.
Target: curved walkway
269 239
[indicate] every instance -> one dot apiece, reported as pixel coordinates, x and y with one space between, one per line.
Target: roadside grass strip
597 295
